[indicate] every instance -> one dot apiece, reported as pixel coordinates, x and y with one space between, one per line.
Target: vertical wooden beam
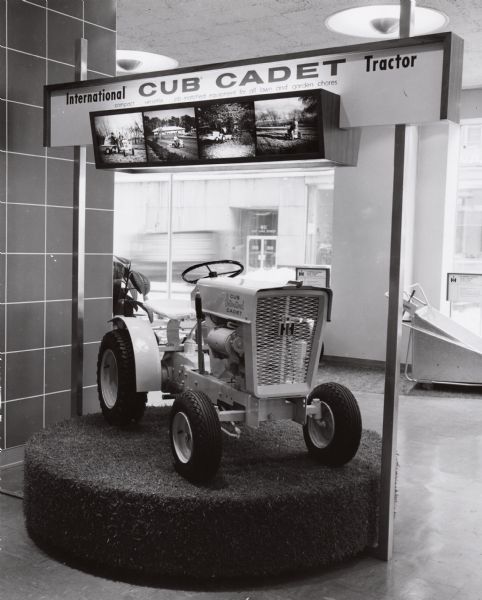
78 252
394 327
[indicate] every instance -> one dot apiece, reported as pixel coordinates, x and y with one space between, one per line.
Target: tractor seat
172 309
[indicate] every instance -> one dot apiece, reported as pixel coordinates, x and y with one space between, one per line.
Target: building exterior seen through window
468 220
271 224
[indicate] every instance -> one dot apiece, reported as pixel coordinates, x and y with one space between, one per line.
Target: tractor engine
226 350
263 339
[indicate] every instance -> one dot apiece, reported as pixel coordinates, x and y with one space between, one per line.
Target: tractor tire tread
130 405
348 425
206 431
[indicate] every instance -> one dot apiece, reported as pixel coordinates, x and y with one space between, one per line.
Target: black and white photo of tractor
287 125
170 135
226 130
120 138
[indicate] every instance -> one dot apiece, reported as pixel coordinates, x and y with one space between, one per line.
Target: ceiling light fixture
382 21
130 62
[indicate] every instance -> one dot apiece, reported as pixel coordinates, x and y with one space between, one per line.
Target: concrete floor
438 528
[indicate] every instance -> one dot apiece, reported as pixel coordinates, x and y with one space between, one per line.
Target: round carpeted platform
110 498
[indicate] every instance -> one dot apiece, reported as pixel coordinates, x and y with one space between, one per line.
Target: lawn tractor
243 352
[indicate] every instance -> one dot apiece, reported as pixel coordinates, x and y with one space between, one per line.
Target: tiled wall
37 40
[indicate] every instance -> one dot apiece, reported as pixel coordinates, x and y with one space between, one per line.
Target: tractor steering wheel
231 268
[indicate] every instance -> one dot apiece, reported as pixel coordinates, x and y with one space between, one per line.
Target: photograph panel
170 135
226 130
287 125
119 139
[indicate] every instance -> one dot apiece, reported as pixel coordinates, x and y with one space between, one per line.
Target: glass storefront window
468 219
141 228
270 224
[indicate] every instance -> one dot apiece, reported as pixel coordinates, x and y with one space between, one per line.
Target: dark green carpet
111 498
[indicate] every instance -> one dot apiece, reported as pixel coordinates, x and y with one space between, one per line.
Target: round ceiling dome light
382 21
385 26
130 62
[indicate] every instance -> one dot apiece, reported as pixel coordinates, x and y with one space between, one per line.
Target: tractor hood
236 298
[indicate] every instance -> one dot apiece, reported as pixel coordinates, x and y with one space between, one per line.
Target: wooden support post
394 327
78 252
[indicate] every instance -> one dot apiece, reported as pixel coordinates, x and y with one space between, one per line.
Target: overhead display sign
411 80
291 127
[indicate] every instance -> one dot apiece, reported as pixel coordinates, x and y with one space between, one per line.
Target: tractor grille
285 328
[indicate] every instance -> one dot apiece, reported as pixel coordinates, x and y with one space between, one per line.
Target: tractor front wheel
121 404
334 438
195 435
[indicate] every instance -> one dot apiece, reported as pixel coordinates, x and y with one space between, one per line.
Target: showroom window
468 219
269 223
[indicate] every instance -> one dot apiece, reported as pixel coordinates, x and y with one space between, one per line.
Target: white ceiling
199 32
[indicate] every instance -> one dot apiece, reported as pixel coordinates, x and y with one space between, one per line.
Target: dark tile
26 179
96 322
23 418
3 175
90 363
25 277
24 374
3 125
59 73
3 258
26 228
57 408
2 335
69 7
26 77
25 327
3 233
96 75
59 276
98 276
25 129
57 369
3 367
100 188
99 231
101 13
3 72
39 2
90 401
60 182
63 31
101 49
59 229
12 479
61 152
29 38
3 22
58 323
90 155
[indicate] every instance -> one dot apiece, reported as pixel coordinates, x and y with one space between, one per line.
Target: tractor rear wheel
334 439
121 404
195 435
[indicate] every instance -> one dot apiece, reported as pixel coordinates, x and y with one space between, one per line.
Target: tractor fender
146 352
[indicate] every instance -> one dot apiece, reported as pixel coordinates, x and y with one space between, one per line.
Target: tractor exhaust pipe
199 333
